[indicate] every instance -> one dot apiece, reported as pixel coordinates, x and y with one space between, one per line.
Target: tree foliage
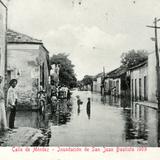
66 73
87 80
132 57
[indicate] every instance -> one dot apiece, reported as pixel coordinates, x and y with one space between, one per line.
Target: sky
93 32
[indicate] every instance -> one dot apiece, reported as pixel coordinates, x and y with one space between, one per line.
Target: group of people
8 112
60 92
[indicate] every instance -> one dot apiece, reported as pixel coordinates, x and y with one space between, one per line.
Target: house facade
152 78
116 82
116 87
3 45
139 81
28 62
97 83
94 85
144 80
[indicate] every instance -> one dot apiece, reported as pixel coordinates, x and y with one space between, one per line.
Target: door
132 90
135 89
140 89
145 88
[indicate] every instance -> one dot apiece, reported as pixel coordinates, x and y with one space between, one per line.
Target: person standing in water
88 108
3 120
12 102
79 102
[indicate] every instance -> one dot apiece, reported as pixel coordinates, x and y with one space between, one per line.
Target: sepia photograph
80 73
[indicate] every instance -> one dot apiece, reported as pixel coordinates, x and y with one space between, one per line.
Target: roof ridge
139 64
20 37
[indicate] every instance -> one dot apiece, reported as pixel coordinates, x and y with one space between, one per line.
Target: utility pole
103 71
157 60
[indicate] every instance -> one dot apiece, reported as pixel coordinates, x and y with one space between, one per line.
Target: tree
66 73
132 57
87 80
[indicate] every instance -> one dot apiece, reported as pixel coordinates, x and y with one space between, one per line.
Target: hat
12 81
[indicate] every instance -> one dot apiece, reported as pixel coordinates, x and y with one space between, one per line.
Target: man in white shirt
12 102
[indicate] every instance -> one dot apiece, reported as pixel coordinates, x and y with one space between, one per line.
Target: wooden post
157 60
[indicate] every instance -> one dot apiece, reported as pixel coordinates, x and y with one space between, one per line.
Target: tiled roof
117 72
139 65
15 37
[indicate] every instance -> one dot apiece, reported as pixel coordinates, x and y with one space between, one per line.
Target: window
42 75
132 94
140 89
145 88
135 88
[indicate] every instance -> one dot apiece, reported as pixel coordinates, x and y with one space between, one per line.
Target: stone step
24 136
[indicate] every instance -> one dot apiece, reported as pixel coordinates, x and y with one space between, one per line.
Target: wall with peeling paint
24 63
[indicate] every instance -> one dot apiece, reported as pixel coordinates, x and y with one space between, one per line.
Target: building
28 61
152 78
144 80
94 85
3 44
3 47
97 83
88 87
116 82
139 81
107 87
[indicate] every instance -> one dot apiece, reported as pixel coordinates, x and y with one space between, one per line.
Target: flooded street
109 121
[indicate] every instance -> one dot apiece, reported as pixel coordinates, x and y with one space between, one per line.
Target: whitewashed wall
3 22
26 59
138 73
152 78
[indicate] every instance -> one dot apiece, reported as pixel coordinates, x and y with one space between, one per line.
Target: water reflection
125 103
136 124
78 110
140 121
62 114
132 124
111 100
158 128
57 116
31 119
60 119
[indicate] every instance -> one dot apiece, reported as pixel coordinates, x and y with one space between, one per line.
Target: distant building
28 61
88 87
116 82
97 83
108 85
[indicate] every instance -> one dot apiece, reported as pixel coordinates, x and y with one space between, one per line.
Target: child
79 102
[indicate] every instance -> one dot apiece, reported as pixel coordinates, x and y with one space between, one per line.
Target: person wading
88 108
12 102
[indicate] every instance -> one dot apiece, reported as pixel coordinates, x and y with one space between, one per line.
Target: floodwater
106 121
